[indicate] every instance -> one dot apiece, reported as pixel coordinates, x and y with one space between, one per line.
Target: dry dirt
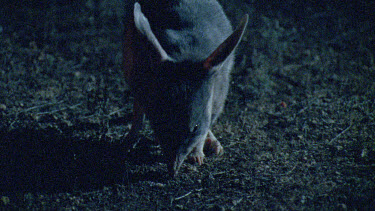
298 127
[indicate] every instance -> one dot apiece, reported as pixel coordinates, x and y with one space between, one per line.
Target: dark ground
298 128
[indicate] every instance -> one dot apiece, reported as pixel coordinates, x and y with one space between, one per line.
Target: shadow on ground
51 160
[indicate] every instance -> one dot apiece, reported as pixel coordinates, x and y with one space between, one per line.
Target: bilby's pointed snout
175 162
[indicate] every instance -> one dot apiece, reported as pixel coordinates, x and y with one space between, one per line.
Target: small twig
40 106
106 115
290 171
58 110
218 173
89 116
360 166
117 111
340 134
181 197
303 110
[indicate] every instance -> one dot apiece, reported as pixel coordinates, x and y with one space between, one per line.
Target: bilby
178 55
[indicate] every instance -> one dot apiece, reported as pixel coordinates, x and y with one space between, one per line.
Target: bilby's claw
196 159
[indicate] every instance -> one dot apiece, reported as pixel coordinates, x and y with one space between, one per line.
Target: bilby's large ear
227 47
143 26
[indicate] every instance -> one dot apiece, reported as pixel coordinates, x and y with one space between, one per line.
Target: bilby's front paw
212 145
197 156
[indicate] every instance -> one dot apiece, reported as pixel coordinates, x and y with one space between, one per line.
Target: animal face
180 107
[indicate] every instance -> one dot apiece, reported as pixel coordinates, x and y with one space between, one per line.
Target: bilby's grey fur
178 57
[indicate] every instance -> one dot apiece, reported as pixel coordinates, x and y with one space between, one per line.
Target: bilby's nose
174 163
